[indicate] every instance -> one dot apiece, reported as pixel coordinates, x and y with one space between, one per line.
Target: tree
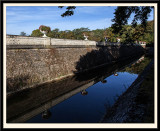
45 28
54 33
129 34
98 35
149 34
69 11
122 15
36 33
23 33
78 33
110 35
69 34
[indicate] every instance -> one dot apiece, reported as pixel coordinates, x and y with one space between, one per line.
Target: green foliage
128 34
23 34
110 35
78 33
122 14
54 33
45 28
36 33
138 67
69 11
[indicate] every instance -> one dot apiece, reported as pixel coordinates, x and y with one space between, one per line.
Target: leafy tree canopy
45 28
122 14
128 34
23 33
36 33
69 11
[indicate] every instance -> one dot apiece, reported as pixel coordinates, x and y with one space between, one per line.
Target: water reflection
84 92
46 114
33 104
115 74
103 80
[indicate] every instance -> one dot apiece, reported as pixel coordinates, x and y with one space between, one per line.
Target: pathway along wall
31 67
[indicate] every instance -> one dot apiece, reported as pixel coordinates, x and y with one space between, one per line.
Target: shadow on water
25 104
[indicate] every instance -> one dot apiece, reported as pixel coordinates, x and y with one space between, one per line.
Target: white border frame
77 125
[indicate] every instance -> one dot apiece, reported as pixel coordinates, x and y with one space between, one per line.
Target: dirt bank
136 105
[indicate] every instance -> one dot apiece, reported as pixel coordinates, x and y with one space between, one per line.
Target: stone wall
71 42
31 67
25 40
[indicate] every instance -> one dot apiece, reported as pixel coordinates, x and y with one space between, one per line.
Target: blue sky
29 18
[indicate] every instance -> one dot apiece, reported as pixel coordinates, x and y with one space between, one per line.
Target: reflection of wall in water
39 100
31 102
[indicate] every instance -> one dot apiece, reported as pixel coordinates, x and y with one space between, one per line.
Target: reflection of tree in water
104 81
46 114
138 67
115 74
84 92
107 104
106 55
99 74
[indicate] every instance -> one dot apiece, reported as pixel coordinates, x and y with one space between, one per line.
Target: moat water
79 99
92 106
